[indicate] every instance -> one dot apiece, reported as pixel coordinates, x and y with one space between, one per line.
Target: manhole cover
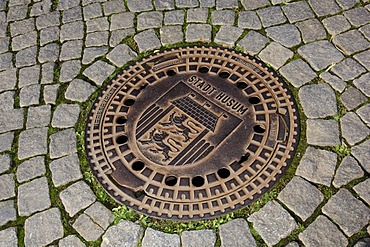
192 133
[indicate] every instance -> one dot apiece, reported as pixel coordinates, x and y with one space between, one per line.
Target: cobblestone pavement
55 54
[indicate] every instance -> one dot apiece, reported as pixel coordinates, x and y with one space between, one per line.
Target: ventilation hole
244 158
254 100
139 193
138 165
224 74
121 139
197 181
259 129
203 70
170 181
171 72
129 102
241 85
223 173
121 120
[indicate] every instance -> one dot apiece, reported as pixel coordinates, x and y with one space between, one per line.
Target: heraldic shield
177 131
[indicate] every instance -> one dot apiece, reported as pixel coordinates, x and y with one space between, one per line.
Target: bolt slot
259 129
170 181
121 139
254 100
224 75
121 120
203 70
129 102
171 72
138 165
197 181
242 85
223 173
244 158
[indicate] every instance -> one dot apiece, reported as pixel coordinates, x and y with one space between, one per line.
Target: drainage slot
198 181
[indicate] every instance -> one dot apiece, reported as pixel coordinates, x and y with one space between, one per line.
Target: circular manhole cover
192 133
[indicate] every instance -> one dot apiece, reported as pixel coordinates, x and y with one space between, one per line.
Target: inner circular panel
192 133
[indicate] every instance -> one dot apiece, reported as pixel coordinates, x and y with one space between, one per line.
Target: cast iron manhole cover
192 133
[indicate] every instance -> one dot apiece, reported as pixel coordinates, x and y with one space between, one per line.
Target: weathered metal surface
192 133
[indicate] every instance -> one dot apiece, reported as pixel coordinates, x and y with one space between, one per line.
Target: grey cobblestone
43 228
171 34
7 214
249 20
365 30
148 20
49 20
147 40
363 190
91 53
358 16
23 41
301 197
6 120
71 50
236 232
186 3
7 100
17 13
254 4
38 116
67 4
73 14
139 5
69 70
79 90
360 152
353 130
72 31
6 61
118 35
7 186
348 170
328 7
5 162
51 93
174 17
6 141
4 44
22 27
92 11
31 168
8 237
348 69
98 72
311 30
65 170
362 84
352 98
298 11
71 240
276 55
317 166
112 7
62 143
200 238
347 4
26 57
164 4
27 193
124 232
122 20
271 16
48 35
336 83
28 76
76 197
97 24
351 42
336 24
100 215
198 32
220 4
9 79
158 238
354 214
323 232
287 35
322 132
273 222
198 15
253 42
32 142
320 54
97 39
41 8
49 53
363 112
298 73
223 17
87 228
228 35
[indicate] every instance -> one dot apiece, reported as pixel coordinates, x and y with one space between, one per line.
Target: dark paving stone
352 98
348 212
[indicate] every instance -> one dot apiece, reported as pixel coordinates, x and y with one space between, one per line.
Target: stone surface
271 16
32 142
118 35
79 90
7 212
249 20
253 42
353 130
362 154
87 228
91 53
186 3
336 24
329 7
112 7
298 11
200 238
276 55
5 162
318 100
322 132
352 98
363 112
362 83
27 193
357 16
7 186
9 79
76 197
336 83
198 32
38 116
98 24
139 5
320 54
363 58
122 20
348 170
147 40
8 237
51 93
174 17
31 168
72 30
148 20
6 141
228 35
92 11
301 197
171 34
97 39
65 170
23 41
71 50
349 213
62 143
121 54
7 101
29 76
287 35
273 222
47 73
363 190
72 14
223 17
100 215
70 241
298 73
123 234
43 228
29 95
198 15
317 166
7 117
254 4
348 69
98 72
351 42
65 115
160 239
236 233
323 232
